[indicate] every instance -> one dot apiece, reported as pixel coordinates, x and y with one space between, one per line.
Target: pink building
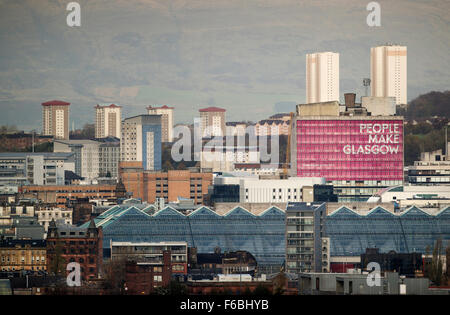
368 149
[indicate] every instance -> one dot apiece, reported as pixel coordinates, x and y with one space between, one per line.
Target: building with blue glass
413 230
321 240
262 235
141 141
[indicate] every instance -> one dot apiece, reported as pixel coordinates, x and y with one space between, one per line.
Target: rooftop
212 109
55 103
107 105
162 107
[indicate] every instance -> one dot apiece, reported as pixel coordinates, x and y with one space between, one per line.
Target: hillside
429 105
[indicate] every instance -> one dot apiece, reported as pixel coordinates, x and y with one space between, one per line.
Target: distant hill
429 105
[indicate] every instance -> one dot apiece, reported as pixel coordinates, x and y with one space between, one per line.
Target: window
157 278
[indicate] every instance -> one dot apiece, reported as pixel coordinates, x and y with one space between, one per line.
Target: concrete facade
322 77
388 72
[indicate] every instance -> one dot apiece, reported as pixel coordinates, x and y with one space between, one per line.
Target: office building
322 77
212 122
352 231
432 169
423 196
262 235
148 186
166 113
356 153
107 120
222 158
252 189
55 119
388 72
109 157
22 168
86 153
141 141
93 159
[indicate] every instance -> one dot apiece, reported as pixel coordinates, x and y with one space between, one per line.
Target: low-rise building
144 278
252 189
432 169
22 141
149 253
21 168
390 283
18 255
61 195
16 227
66 244
45 214
423 196
223 158
148 185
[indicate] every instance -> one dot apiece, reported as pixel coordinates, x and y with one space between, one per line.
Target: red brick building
67 244
21 141
149 185
61 195
144 278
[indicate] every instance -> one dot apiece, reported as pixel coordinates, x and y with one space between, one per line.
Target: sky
247 56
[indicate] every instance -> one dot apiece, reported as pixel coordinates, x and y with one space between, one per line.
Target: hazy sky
247 56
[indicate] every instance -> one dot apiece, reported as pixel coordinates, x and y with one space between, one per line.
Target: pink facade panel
350 149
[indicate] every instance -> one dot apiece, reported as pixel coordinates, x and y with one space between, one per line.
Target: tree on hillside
429 105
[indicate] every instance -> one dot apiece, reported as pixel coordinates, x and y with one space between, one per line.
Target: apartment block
141 141
307 248
166 113
212 122
322 77
388 72
108 118
55 119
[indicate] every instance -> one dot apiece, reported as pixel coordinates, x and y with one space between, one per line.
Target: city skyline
195 55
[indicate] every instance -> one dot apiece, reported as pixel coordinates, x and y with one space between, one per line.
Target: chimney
350 99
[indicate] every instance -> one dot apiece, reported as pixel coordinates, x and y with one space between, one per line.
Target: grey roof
45 154
77 141
303 206
13 243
